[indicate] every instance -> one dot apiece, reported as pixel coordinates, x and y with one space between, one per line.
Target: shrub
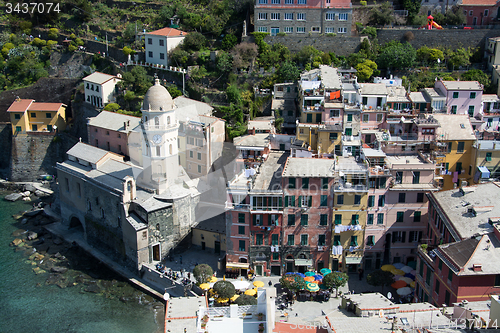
246 300
224 289
71 48
113 107
408 36
53 33
331 34
79 42
72 36
362 3
51 43
202 273
282 34
39 42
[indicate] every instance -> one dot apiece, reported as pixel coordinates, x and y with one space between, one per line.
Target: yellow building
454 156
486 155
324 139
210 235
349 215
28 116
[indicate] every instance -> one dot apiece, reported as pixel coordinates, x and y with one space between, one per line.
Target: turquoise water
26 307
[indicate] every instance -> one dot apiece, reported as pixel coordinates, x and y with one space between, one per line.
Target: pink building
462 97
480 12
110 131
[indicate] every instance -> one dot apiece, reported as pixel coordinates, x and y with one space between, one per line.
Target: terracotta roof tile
168 32
479 2
45 106
20 105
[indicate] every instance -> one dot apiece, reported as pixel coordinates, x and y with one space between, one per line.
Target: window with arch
170 149
158 151
157 121
168 120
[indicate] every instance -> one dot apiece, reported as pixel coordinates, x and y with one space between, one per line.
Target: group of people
184 277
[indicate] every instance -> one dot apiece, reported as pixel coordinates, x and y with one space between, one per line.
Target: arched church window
170 149
157 121
158 151
168 120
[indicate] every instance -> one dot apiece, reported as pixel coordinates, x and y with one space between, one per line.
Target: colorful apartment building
100 88
480 12
26 116
307 227
460 261
349 214
303 17
462 97
487 160
455 160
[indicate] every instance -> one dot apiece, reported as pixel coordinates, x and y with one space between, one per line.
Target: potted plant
260 316
261 327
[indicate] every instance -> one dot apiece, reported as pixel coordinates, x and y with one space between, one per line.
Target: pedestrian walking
270 283
360 274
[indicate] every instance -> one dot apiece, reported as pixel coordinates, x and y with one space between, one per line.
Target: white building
100 88
160 42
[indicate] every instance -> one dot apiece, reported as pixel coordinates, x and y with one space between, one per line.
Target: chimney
125 125
128 122
477 267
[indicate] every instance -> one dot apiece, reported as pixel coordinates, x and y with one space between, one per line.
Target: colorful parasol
213 279
258 284
325 271
387 268
205 286
250 292
313 287
399 284
309 278
310 274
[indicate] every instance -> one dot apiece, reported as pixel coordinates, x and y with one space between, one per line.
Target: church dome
157 99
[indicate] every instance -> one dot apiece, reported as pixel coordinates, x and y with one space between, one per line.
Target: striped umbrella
312 287
325 271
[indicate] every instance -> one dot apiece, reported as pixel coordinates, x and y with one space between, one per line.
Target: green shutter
286 201
280 202
254 202
254 221
300 201
310 201
293 200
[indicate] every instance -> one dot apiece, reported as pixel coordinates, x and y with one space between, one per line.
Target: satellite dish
389 295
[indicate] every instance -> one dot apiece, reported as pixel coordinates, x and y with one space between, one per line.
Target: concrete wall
340 45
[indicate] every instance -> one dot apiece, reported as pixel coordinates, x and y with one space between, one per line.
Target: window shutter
280 202
394 236
293 200
254 202
300 201
286 201
419 236
254 219
310 201
403 240
268 218
412 235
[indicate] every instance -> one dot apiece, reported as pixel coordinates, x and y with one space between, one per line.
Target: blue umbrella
399 265
325 271
409 275
318 277
300 274
290 273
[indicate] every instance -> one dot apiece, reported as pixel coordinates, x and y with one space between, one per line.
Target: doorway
335 265
289 266
275 270
203 246
217 247
156 252
258 270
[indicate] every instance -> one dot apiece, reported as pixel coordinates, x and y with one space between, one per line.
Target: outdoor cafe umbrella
258 284
213 279
309 278
406 269
409 275
300 274
398 265
290 273
318 277
205 286
405 279
222 300
323 286
404 291
241 285
387 268
397 272
250 292
310 274
234 297
325 271
399 284
412 284
313 287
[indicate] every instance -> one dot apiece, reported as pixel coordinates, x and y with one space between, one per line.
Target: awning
485 173
303 262
352 260
244 265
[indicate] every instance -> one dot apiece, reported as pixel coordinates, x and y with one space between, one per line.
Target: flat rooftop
394 160
309 167
462 85
349 164
260 140
371 301
455 205
182 313
269 174
454 127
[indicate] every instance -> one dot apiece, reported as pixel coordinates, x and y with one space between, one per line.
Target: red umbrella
399 284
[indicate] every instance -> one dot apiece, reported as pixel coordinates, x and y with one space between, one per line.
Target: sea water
28 307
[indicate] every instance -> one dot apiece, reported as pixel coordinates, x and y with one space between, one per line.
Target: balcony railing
350 188
237 206
159 127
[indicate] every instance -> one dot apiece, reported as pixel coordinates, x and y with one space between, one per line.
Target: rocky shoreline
66 265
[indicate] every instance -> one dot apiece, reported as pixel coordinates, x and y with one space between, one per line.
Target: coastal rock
33 212
59 256
38 270
26 199
39 242
93 288
59 269
18 232
39 193
26 193
13 197
32 235
24 221
16 242
29 187
124 299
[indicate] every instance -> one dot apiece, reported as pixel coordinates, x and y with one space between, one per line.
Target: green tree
455 16
476 75
233 94
335 280
413 8
224 62
427 55
307 54
127 51
288 72
293 282
370 32
396 55
229 41
194 41
202 273
199 73
380 278
174 91
365 70
278 123
244 55
246 300
113 107
53 33
382 15
224 289
458 58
